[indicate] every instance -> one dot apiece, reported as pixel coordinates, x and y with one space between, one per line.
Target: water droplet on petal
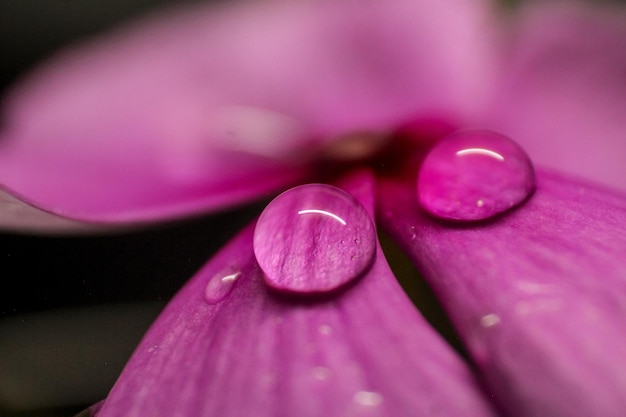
368 398
220 285
474 175
489 320
314 238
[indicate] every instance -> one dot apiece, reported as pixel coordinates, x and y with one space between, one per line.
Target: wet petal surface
257 353
538 295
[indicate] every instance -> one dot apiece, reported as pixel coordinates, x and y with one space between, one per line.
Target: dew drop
474 175
368 398
314 238
489 320
221 285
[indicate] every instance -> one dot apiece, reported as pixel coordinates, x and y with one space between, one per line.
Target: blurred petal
564 93
18 216
364 351
538 295
206 107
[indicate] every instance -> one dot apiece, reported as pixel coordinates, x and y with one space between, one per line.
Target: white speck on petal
368 398
489 320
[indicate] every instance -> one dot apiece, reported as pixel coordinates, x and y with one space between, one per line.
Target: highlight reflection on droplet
474 175
221 285
313 238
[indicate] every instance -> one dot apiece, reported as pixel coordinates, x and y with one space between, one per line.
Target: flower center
355 146
316 238
460 175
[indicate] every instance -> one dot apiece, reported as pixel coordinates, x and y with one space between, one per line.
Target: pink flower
203 109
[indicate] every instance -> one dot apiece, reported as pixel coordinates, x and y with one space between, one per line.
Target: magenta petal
564 90
103 186
363 352
19 216
203 108
538 295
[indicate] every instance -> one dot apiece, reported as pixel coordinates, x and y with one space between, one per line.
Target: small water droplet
220 285
297 240
474 175
489 320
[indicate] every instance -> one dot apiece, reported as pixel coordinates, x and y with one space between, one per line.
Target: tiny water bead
314 238
220 285
473 175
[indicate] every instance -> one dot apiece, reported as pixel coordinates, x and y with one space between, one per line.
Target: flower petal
365 351
204 108
538 295
564 92
19 216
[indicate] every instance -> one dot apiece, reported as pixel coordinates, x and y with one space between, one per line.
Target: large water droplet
314 238
474 175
